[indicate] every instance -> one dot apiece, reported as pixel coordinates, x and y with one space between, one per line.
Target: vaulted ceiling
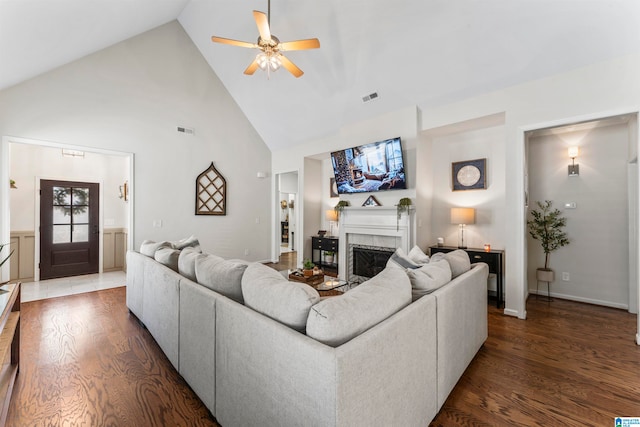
411 52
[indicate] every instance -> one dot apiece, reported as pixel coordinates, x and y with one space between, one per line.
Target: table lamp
332 216
462 217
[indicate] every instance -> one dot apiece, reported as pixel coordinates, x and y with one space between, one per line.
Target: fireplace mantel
380 222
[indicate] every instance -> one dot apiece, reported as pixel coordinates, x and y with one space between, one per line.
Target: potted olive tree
546 226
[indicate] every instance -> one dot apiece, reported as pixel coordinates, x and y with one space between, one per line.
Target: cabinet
493 258
324 253
284 231
9 344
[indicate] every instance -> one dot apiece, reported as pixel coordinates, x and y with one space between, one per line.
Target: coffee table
330 286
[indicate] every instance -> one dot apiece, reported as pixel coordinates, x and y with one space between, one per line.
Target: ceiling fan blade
300 44
251 68
233 42
290 66
263 25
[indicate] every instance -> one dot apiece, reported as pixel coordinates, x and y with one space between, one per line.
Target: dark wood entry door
69 228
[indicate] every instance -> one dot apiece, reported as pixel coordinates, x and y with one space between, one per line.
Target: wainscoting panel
114 249
23 244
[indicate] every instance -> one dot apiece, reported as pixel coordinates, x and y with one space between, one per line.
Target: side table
493 258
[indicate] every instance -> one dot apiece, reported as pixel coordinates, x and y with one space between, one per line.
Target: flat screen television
371 167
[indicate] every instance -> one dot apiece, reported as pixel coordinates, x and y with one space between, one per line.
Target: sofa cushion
187 262
429 277
221 275
458 261
270 293
399 258
167 256
336 320
416 255
149 247
189 242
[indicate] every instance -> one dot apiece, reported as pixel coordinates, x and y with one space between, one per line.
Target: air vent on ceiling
370 97
185 130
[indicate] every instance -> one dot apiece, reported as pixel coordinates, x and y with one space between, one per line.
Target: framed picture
371 201
333 188
469 175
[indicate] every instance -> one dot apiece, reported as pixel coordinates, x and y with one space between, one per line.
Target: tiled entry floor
51 288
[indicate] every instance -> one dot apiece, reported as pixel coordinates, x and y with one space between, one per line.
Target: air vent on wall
185 130
370 97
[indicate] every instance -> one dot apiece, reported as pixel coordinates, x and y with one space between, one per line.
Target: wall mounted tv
371 167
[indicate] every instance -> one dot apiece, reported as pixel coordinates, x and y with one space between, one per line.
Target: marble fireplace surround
375 226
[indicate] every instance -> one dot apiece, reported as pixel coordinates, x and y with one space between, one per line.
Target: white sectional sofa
246 360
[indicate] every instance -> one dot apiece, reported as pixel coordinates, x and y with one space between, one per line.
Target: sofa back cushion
336 320
221 275
270 293
458 261
429 277
149 247
167 256
187 262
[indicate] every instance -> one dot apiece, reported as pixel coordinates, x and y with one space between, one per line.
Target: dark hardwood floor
86 361
287 261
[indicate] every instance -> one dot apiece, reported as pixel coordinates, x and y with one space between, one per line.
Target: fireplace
376 229
367 262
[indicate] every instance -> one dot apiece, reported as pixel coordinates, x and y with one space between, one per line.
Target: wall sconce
574 170
462 217
124 191
332 216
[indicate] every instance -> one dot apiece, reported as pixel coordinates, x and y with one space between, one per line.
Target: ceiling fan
270 57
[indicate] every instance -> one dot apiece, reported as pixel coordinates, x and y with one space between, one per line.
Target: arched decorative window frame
209 183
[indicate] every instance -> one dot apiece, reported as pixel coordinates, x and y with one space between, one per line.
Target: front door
69 228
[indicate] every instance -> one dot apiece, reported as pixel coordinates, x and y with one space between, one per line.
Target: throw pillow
149 247
416 255
268 292
167 256
400 259
187 262
221 275
458 260
336 320
428 278
189 242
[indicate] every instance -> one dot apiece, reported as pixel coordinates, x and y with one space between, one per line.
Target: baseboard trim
638 339
580 299
514 313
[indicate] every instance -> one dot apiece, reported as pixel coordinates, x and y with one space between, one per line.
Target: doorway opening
287 218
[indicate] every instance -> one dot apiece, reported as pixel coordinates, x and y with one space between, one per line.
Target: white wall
599 90
29 162
489 203
130 98
597 258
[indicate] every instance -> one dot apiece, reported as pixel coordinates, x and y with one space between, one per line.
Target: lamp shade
573 152
463 216
331 215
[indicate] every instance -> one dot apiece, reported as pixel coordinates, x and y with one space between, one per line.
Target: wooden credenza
9 344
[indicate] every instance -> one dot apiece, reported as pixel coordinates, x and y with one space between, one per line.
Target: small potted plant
307 267
547 226
328 256
340 207
402 206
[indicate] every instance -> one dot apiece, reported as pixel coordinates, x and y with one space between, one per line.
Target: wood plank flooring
568 364
86 361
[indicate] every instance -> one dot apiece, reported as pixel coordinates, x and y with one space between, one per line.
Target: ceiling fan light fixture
268 61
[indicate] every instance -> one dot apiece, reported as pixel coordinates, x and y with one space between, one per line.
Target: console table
9 343
493 258
320 245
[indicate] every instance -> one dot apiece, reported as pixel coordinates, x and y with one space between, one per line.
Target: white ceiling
412 52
